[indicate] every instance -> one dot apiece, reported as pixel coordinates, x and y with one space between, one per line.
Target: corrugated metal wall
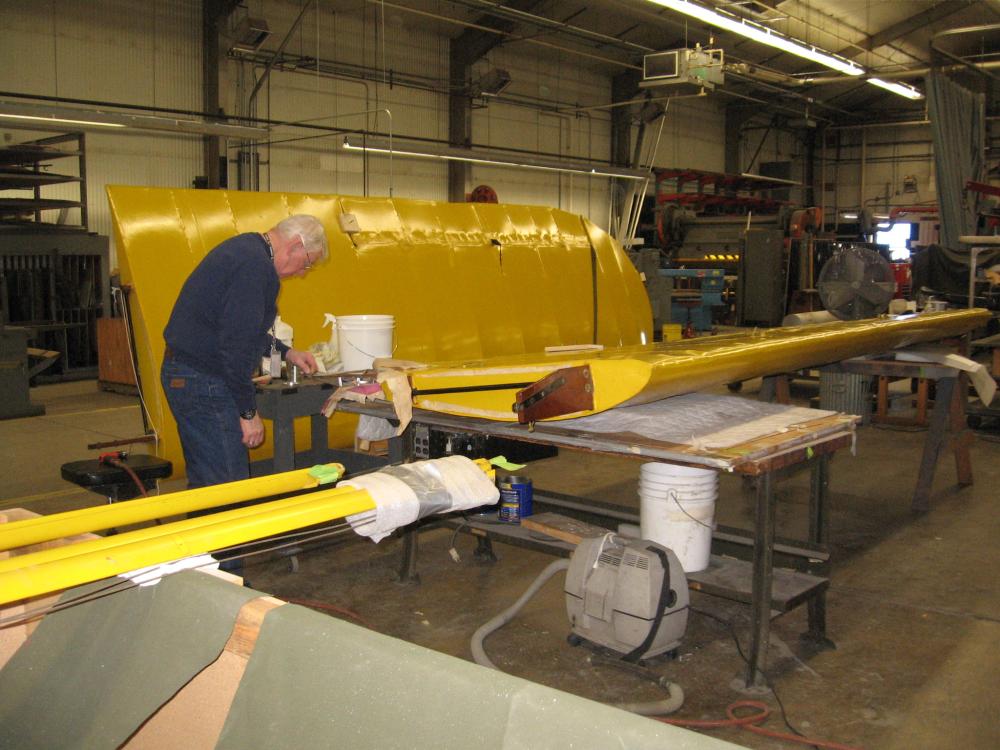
149 54
110 50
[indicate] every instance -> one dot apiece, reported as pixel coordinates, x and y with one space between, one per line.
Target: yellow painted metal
640 374
464 281
71 523
51 570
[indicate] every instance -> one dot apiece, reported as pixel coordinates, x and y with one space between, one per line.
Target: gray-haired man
216 336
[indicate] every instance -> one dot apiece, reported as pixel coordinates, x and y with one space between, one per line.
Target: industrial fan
856 283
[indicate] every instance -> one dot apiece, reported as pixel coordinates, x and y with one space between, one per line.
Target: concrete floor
914 607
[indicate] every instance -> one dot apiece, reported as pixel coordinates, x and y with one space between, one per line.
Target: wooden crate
114 365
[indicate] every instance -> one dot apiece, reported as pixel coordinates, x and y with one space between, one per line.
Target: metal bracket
564 391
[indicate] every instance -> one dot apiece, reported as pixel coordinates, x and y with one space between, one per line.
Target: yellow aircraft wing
566 385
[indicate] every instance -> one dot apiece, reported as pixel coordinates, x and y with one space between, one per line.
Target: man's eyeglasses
305 254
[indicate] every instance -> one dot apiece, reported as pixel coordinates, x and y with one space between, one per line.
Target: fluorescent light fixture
729 22
57 117
897 88
63 120
452 153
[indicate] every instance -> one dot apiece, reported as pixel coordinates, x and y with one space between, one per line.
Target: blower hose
478 652
668 705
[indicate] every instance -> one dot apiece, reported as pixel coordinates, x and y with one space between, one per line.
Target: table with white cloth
760 442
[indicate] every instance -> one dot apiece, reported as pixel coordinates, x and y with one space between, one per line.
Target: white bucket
655 470
364 338
679 515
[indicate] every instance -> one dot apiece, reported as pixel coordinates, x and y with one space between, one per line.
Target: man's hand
253 431
305 361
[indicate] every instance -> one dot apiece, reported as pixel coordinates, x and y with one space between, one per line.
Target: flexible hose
668 705
750 722
478 653
130 471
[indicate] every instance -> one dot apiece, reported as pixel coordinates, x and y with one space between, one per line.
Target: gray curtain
958 126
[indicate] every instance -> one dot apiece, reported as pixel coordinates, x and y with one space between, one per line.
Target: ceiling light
897 88
52 116
451 153
756 32
62 120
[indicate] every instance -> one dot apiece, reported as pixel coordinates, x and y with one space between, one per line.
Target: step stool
114 482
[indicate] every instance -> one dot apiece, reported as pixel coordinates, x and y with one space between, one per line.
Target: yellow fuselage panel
463 281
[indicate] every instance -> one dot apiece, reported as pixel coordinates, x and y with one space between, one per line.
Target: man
216 336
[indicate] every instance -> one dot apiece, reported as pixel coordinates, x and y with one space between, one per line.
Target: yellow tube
110 543
71 523
39 573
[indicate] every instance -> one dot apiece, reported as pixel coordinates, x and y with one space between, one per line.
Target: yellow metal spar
640 374
51 570
71 523
36 573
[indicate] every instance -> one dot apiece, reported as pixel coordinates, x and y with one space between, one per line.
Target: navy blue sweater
220 320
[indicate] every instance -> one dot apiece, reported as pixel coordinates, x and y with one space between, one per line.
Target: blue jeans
208 422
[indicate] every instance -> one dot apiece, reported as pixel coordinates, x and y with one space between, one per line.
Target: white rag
468 486
395 505
151 575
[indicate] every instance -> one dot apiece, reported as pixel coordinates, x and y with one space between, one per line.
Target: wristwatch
248 414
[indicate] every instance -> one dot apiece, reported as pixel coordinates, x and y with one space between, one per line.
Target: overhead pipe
501 11
508 35
278 52
962 61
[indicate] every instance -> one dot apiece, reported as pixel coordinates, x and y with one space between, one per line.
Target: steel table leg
284 443
763 553
319 442
819 533
408 570
401 451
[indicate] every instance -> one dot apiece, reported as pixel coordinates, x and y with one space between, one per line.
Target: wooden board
561 527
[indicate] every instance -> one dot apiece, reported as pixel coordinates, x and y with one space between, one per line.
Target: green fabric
91 674
502 463
316 682
325 473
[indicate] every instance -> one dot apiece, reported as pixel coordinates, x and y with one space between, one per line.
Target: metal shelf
24 167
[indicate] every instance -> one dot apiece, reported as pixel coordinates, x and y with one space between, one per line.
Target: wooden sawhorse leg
947 429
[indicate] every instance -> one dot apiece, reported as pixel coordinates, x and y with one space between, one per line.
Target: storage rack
53 274
24 166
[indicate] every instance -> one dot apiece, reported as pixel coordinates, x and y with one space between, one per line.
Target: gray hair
309 229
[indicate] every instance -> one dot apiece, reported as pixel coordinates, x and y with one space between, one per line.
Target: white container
686 486
654 470
363 339
680 516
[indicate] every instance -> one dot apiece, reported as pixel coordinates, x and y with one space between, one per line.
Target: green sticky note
324 473
501 462
809 452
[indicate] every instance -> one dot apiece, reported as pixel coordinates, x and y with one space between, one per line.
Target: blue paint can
515 499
